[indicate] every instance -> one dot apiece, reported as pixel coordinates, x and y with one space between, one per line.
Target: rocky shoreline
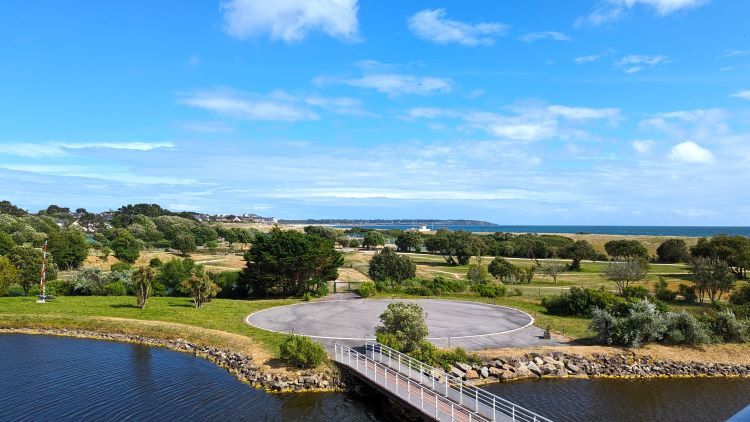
238 364
562 365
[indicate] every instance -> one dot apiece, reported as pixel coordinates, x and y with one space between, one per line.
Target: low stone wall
561 365
240 365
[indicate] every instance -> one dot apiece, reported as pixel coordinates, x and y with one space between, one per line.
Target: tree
457 247
173 272
734 250
712 276
626 250
354 243
478 274
626 272
6 244
200 287
553 270
8 275
409 240
501 269
289 263
673 250
7 208
388 265
142 281
373 239
69 248
28 262
301 351
577 252
185 243
323 231
126 247
405 324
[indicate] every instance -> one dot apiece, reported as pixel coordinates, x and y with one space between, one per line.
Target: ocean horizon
678 231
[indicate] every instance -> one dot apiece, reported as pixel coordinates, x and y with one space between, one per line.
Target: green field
219 323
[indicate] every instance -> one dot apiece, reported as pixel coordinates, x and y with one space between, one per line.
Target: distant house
421 229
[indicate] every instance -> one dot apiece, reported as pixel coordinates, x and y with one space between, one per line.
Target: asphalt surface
452 323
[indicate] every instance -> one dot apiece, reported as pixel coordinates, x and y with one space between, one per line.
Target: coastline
236 363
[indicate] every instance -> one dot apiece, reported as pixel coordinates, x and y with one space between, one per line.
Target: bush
683 328
121 266
366 289
440 285
115 289
386 285
431 355
59 287
405 321
306 296
643 324
635 292
727 328
581 302
477 273
155 262
689 293
490 290
301 351
390 340
389 265
741 296
662 292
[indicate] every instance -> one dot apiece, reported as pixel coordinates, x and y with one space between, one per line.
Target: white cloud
236 105
528 124
611 10
291 20
695 124
634 63
107 173
690 152
545 35
432 25
56 149
588 59
736 53
643 147
745 94
396 84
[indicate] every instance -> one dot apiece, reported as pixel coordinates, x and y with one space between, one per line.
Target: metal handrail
450 409
483 401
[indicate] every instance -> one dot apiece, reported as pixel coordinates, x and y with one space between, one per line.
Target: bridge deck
428 390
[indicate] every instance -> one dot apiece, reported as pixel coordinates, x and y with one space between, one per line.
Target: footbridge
430 391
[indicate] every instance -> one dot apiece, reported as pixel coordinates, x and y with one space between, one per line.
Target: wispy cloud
690 152
591 58
243 106
610 10
736 53
56 149
396 84
745 94
291 20
432 25
634 63
96 172
643 147
545 35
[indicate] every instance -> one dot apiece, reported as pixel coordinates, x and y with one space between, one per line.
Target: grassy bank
219 323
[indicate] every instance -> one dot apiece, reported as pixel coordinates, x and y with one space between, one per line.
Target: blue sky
534 112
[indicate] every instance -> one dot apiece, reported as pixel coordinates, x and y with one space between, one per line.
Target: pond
58 378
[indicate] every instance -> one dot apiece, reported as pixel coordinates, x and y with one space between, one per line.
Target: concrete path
470 325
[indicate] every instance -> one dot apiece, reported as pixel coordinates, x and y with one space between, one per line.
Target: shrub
662 292
91 281
581 302
490 290
684 328
366 289
386 285
406 321
689 293
59 287
635 292
155 262
741 296
431 355
501 268
643 324
121 266
321 289
115 289
440 285
301 351
477 273
306 296
390 340
389 265
726 327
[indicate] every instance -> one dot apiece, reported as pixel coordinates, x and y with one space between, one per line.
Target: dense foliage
673 250
388 265
301 351
403 326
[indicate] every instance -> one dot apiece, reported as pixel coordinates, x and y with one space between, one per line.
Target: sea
686 231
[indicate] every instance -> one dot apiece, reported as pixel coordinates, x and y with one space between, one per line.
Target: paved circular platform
356 319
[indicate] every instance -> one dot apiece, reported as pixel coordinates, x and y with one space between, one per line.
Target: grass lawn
219 323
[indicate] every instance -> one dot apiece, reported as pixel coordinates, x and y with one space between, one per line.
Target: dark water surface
677 399
44 378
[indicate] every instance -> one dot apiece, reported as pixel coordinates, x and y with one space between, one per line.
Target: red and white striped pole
43 279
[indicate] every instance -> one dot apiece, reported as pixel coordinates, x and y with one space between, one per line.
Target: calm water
57 378
691 231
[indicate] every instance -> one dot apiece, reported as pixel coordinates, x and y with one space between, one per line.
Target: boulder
471 375
495 372
462 366
484 372
532 366
457 372
573 368
538 361
507 375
